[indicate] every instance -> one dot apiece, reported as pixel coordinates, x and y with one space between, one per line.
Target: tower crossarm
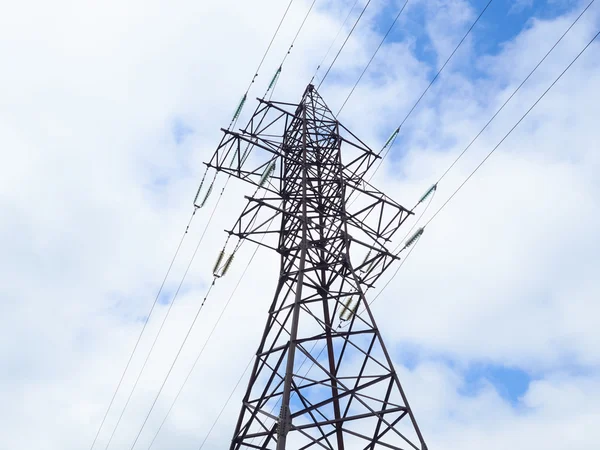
239 152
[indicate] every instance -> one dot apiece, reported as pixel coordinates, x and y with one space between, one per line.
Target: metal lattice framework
322 377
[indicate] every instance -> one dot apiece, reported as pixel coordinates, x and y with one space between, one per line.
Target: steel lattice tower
322 377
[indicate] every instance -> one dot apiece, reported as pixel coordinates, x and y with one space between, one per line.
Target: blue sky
501 22
511 383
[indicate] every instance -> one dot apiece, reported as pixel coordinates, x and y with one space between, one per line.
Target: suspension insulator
414 237
373 263
267 173
391 138
365 261
430 191
346 311
354 309
239 108
236 152
366 258
227 264
243 158
274 80
246 154
218 262
199 189
210 188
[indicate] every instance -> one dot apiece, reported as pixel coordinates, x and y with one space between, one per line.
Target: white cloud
90 94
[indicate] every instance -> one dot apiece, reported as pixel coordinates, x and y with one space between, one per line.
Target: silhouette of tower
322 377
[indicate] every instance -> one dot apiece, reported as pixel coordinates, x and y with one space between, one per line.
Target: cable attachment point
430 191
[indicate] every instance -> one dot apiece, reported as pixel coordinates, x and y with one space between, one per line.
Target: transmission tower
322 377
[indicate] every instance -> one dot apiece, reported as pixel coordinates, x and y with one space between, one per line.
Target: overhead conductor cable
242 102
206 343
224 270
175 295
334 40
497 145
344 44
275 78
236 116
434 187
373 56
142 330
391 144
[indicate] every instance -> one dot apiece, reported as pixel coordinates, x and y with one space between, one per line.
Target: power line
373 57
207 341
226 403
516 90
166 317
298 32
492 151
269 46
275 79
395 135
511 130
334 41
395 273
429 86
143 328
174 362
238 246
505 102
238 110
344 44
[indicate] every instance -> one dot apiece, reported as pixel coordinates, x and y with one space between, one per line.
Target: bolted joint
284 424
345 260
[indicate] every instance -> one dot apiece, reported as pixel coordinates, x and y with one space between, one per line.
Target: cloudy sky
108 110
